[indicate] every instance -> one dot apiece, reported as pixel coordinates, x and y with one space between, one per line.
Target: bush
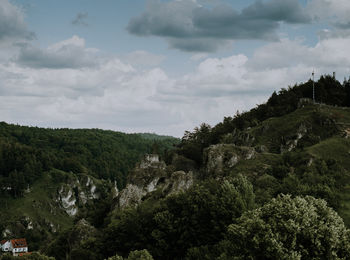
288 228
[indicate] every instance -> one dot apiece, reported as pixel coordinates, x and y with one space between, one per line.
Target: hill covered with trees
47 176
27 152
269 183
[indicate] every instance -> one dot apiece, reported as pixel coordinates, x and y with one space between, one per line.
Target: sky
160 66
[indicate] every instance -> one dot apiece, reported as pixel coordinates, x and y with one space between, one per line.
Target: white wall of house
6 246
16 251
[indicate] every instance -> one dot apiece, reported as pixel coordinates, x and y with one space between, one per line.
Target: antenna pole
313 86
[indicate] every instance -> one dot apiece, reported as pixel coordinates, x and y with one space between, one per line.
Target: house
5 245
16 246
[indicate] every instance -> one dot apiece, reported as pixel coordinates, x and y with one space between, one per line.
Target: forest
27 152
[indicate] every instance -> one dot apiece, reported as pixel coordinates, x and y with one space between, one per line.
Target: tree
169 228
140 255
33 256
200 216
288 228
134 255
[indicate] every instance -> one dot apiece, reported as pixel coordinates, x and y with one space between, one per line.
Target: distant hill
153 136
47 176
109 155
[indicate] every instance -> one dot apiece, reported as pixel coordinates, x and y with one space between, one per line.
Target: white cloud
12 25
327 55
323 9
13 30
70 53
116 95
334 12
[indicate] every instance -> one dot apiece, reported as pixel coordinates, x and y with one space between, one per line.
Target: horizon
160 67
158 134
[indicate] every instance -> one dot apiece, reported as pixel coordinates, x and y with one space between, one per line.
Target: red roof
3 242
18 243
26 253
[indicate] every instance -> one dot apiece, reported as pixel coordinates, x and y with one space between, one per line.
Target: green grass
272 129
336 148
257 165
344 211
38 205
340 114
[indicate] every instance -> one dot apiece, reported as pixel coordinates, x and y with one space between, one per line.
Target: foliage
197 217
134 255
79 242
27 152
32 256
140 255
328 91
288 228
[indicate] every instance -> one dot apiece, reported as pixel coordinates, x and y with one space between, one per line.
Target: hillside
304 152
182 205
246 187
49 176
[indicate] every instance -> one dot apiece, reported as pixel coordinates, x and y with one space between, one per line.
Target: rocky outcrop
178 181
151 176
151 161
292 143
75 193
67 200
131 195
220 157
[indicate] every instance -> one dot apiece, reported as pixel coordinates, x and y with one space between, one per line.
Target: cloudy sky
160 66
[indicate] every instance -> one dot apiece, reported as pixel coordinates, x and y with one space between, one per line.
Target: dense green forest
39 167
270 183
27 152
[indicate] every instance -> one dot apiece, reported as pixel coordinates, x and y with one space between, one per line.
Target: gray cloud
191 27
197 45
80 19
342 25
12 25
172 19
334 12
67 54
223 22
289 11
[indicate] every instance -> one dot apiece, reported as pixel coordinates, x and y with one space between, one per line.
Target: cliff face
223 157
76 193
51 204
149 176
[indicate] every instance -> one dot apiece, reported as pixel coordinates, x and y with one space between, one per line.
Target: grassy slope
37 204
40 207
335 147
